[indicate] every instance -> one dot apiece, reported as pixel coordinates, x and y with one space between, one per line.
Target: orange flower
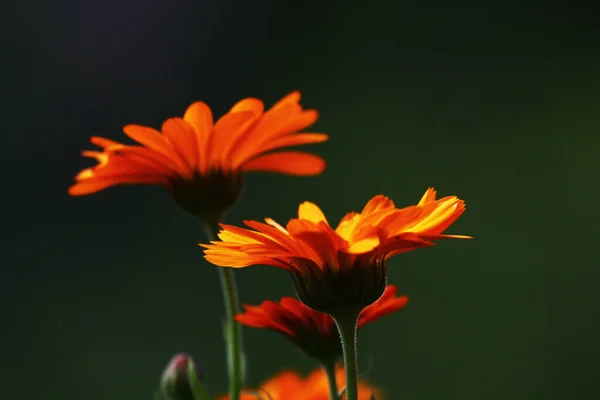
342 269
289 385
201 161
314 332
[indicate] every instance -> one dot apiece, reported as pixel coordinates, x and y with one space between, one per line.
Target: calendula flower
201 161
342 270
289 385
314 332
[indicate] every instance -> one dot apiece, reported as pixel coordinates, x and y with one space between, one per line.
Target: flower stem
329 369
347 327
233 332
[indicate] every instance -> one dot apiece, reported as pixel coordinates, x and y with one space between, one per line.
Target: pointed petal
311 212
153 140
183 138
200 117
290 163
429 196
288 141
93 185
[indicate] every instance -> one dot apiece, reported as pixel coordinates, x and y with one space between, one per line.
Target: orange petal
183 138
347 224
290 163
248 104
153 140
287 141
227 128
149 158
200 117
364 245
93 185
445 210
104 143
291 98
429 196
311 212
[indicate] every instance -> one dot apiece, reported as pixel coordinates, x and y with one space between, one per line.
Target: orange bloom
201 161
289 385
335 270
314 332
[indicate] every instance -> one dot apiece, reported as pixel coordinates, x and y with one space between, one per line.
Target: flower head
314 332
339 270
289 385
201 161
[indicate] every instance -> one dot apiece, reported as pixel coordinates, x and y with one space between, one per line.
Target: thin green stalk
347 327
329 369
233 332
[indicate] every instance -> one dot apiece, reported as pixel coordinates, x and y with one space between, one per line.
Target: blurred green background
494 101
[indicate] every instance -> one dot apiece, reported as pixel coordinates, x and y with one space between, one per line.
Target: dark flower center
207 195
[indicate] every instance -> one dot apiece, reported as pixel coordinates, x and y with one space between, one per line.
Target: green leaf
197 387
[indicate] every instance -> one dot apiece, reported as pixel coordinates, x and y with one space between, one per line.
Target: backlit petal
311 212
291 163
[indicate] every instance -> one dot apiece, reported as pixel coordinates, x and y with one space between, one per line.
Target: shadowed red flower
201 161
314 332
342 269
289 385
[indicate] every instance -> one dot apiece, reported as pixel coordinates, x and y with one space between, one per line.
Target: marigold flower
339 270
314 332
289 385
201 161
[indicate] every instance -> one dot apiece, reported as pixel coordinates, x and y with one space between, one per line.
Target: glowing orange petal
153 140
104 143
143 155
200 117
364 245
291 163
319 237
284 118
387 304
235 140
429 196
183 138
291 98
276 225
378 203
347 225
93 185
228 126
248 104
443 211
311 212
289 140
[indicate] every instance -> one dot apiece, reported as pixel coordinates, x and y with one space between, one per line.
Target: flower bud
174 383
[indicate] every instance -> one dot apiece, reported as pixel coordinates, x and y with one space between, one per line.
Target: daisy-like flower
342 270
314 332
289 385
201 161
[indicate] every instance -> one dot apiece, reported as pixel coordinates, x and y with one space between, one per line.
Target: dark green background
494 101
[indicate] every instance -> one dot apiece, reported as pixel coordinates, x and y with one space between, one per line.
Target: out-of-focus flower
342 270
314 332
201 162
289 385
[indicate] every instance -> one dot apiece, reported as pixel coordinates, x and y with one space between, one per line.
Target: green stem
233 332
329 369
347 327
